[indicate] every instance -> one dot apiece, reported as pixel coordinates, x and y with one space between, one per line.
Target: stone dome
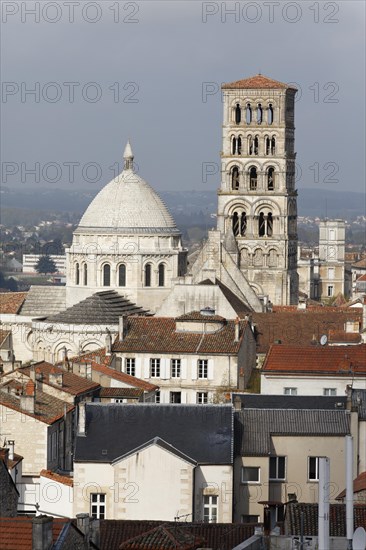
127 204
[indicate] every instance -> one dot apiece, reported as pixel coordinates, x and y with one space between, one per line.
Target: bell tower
257 197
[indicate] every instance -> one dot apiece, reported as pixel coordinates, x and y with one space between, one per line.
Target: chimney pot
42 533
11 449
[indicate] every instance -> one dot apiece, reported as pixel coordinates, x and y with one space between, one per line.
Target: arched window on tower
261 225
233 145
269 224
122 275
85 274
270 113
239 145
250 145
236 224
273 146
270 179
235 178
248 113
161 275
77 274
237 114
259 113
106 275
243 224
267 145
256 145
253 178
147 275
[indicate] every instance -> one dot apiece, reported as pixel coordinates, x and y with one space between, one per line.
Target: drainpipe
349 490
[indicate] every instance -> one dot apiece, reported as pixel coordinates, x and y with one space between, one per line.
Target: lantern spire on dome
128 156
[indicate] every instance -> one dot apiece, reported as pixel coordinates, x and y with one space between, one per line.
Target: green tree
45 264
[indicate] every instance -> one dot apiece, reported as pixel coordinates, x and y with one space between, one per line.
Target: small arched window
148 275
270 179
248 113
269 224
250 145
235 178
239 145
259 114
233 145
261 225
161 275
122 275
237 114
77 274
106 275
236 224
253 178
243 224
85 274
270 113
267 145
256 145
273 146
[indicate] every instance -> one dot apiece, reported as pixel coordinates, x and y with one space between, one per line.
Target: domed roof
127 204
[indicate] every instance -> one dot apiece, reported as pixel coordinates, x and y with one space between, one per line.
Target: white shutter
210 369
164 368
146 367
138 364
183 369
194 369
183 397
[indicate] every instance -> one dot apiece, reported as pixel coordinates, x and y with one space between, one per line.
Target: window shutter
210 374
164 368
183 369
183 397
194 369
138 362
146 367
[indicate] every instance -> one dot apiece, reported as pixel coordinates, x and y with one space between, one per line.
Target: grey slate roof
44 300
254 427
101 308
204 433
261 401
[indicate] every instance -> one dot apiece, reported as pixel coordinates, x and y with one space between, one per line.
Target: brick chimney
121 328
28 399
10 446
81 419
42 533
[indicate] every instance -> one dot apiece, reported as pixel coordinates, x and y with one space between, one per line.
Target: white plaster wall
55 499
274 385
215 480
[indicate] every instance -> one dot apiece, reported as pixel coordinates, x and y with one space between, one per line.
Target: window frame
211 507
292 390
249 481
202 369
329 392
98 505
130 365
175 368
155 365
173 395
278 460
316 478
202 397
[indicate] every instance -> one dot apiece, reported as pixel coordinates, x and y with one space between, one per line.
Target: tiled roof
159 335
96 356
164 537
254 427
71 383
47 409
127 393
11 302
340 336
257 82
16 533
10 463
43 300
301 326
198 316
216 536
65 480
317 360
337 519
3 335
203 433
104 307
361 264
359 484
361 278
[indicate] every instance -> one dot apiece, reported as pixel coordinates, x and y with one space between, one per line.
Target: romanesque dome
127 204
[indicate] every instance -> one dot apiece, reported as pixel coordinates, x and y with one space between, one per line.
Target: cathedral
127 255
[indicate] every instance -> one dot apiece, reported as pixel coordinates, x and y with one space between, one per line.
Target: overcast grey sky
149 62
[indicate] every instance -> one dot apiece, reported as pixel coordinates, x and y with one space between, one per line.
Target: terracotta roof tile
125 378
16 533
340 336
359 484
198 316
163 537
132 393
48 409
65 480
71 383
317 360
257 82
4 455
11 302
360 264
301 326
159 335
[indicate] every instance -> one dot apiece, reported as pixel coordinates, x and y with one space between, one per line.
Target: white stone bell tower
257 197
